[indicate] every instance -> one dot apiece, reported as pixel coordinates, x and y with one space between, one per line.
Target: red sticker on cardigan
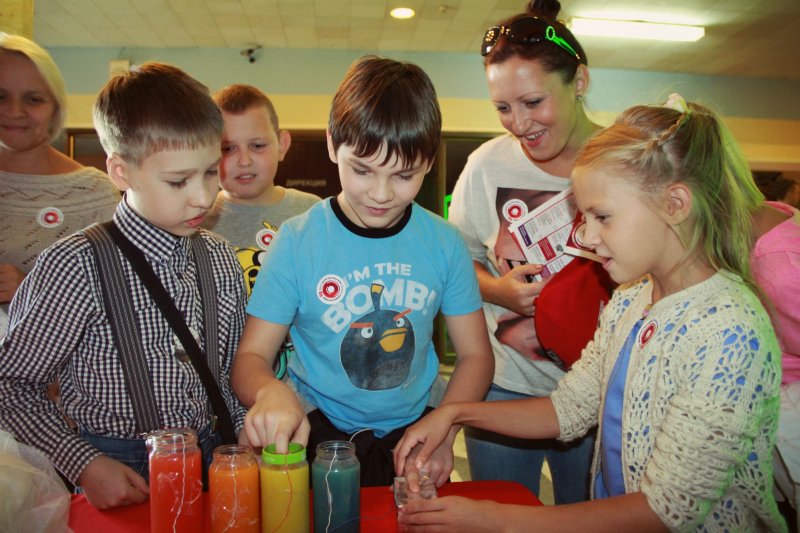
50 217
647 332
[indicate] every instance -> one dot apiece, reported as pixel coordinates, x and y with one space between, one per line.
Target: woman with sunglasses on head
538 77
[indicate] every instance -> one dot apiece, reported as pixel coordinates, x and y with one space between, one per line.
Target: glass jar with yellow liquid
284 490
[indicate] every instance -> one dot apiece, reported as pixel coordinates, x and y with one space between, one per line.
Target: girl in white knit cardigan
683 374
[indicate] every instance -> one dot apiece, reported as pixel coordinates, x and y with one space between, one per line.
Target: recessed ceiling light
402 12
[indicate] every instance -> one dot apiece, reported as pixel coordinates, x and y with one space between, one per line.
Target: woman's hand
10 279
512 290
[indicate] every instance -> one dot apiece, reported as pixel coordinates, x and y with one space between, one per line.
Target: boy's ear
284 142
118 171
331 150
679 203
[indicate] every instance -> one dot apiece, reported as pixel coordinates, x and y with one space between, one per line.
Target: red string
288 505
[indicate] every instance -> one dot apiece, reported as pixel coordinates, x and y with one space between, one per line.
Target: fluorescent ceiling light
402 12
629 29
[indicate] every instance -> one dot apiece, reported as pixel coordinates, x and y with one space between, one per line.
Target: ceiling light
402 12
630 29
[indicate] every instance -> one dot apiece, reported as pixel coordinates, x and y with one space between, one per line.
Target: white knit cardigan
701 403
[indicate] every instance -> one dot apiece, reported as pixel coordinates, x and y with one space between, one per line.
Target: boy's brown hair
386 101
238 98
155 107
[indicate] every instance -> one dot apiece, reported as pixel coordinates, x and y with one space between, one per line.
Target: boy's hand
108 483
278 417
10 279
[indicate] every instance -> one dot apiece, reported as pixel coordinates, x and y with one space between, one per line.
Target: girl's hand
431 431
450 513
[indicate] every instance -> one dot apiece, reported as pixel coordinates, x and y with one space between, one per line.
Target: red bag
568 308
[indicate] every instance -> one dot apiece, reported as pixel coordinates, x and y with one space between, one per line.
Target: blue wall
455 75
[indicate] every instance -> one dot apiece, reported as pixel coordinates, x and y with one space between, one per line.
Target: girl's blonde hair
48 70
687 143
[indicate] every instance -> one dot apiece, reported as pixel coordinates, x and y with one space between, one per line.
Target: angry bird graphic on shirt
378 348
251 260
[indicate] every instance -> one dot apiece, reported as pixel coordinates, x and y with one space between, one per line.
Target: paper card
550 235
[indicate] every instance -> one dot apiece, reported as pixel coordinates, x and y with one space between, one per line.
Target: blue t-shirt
361 304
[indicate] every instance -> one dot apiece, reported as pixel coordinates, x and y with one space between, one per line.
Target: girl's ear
679 203
118 171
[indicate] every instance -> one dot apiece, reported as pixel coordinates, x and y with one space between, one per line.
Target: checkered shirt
59 328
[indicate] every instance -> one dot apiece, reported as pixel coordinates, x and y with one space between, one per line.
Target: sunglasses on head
528 30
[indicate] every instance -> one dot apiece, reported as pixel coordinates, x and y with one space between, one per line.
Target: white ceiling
752 38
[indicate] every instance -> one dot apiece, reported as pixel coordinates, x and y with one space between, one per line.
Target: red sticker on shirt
514 209
330 289
264 238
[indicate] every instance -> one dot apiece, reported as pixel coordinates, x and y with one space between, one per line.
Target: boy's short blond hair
47 68
238 98
155 107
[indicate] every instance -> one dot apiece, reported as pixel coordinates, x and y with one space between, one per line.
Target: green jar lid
297 453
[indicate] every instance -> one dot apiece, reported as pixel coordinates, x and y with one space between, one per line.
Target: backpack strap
127 338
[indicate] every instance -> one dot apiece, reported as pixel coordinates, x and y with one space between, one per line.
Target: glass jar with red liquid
176 483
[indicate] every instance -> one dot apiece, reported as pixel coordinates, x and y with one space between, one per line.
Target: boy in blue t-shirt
359 279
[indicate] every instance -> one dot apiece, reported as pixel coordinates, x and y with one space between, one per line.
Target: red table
377 508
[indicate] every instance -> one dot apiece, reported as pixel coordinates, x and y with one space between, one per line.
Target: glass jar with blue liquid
336 480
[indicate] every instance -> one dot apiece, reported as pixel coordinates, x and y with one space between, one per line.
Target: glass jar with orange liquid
233 490
176 484
284 490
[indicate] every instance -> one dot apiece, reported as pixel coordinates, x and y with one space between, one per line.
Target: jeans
133 452
495 456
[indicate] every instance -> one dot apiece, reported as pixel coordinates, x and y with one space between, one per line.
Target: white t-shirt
498 185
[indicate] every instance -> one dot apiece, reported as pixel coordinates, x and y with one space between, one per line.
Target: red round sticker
264 238
50 217
330 289
647 333
514 209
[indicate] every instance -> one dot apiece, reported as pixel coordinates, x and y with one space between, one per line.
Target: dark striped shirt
59 328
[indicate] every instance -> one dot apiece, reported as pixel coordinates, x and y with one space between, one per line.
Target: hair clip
677 102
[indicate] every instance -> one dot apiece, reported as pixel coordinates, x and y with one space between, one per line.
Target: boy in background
161 132
359 279
250 207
